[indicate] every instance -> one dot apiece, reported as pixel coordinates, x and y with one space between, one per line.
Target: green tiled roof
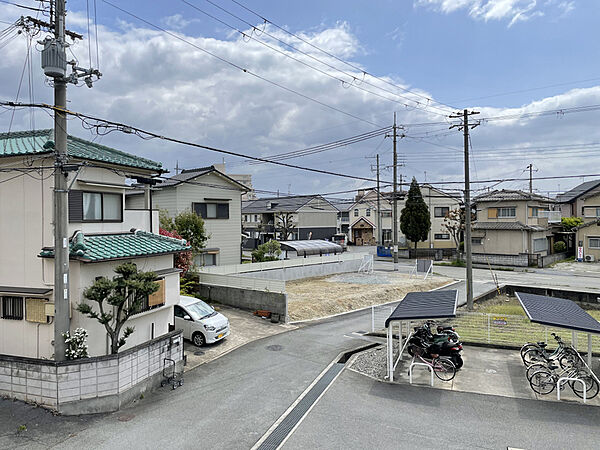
103 247
42 141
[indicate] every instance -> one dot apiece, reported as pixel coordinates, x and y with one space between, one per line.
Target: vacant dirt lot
323 296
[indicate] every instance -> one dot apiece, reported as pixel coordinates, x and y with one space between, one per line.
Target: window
12 308
507 212
540 245
95 207
255 218
356 213
441 236
368 212
386 214
211 210
179 312
592 211
594 242
153 301
386 235
210 260
477 241
441 211
534 211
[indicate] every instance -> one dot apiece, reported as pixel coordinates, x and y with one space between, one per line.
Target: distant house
440 203
512 222
363 217
103 233
211 194
581 201
312 217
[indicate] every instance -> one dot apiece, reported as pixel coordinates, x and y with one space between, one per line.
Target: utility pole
469 256
61 240
530 167
379 231
395 198
54 64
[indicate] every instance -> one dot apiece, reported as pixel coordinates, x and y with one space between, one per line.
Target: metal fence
496 329
280 264
255 284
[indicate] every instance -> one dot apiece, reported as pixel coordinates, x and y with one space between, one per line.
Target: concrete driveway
245 328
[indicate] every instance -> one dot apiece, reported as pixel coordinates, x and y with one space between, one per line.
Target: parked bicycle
443 367
544 381
443 343
564 354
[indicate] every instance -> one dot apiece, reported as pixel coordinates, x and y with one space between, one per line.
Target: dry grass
323 296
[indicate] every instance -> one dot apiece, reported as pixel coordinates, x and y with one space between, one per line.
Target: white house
103 234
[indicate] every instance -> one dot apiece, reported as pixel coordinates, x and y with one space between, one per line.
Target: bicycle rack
413 364
563 379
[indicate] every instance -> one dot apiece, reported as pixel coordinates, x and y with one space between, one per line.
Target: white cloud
512 11
156 82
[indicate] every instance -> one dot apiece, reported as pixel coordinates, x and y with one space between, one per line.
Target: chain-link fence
495 329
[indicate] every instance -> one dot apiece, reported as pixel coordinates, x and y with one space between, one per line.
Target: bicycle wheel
526 347
569 358
542 382
534 368
532 356
591 387
444 369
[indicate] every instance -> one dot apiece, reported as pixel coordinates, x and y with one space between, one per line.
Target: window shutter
222 211
492 213
200 209
75 206
158 298
35 310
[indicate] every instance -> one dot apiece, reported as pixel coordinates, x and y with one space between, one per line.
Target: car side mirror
186 317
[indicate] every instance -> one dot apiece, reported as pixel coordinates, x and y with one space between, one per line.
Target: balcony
552 216
132 218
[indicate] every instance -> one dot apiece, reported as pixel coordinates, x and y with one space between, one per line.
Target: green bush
268 251
560 247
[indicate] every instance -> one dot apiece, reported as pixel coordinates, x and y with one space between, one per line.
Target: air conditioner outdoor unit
590 258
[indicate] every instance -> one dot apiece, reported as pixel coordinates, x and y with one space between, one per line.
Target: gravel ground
576 267
372 362
312 298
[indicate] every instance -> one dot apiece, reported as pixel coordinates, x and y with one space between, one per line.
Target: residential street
231 402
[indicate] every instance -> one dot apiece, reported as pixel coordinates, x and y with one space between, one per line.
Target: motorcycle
441 344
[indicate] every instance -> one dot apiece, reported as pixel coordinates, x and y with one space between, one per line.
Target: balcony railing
552 216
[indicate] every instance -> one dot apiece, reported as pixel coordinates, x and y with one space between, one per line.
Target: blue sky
459 52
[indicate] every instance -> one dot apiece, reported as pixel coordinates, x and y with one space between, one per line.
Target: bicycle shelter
561 313
417 306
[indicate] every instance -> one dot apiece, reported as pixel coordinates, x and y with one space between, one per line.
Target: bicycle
544 381
443 368
565 355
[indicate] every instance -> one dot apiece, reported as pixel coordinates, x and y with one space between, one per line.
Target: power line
236 66
354 80
260 16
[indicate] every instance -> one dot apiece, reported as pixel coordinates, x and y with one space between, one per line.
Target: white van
199 321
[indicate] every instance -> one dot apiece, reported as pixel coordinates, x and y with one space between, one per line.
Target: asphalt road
231 402
358 413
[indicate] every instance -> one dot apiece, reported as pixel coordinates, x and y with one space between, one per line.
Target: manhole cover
490 371
199 353
274 348
126 417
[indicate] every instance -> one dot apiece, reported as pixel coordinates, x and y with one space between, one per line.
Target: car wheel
198 339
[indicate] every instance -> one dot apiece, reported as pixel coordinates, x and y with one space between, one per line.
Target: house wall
502 242
369 201
436 198
584 234
590 205
225 234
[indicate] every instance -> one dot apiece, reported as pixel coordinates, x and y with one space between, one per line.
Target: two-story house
304 216
440 203
584 201
103 234
512 222
214 196
365 217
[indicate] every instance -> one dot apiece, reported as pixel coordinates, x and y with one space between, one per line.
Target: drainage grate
282 430
274 347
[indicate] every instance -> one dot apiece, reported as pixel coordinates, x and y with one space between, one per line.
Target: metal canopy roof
558 312
425 305
311 247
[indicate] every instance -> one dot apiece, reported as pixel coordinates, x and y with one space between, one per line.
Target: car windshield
200 310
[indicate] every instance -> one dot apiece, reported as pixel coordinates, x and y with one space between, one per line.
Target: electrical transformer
54 59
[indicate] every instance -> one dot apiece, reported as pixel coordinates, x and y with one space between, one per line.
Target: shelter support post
390 357
574 339
400 340
589 353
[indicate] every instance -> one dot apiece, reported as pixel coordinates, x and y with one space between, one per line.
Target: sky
231 81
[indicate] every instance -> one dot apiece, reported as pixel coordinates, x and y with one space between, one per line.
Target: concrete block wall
521 260
90 385
308 271
247 299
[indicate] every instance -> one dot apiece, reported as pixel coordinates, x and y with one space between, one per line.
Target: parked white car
199 321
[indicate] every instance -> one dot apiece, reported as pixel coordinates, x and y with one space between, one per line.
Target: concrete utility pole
394 199
530 167
61 240
469 256
379 231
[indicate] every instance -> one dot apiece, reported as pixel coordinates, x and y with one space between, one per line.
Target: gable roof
189 174
105 247
39 142
506 226
508 194
364 219
281 204
577 191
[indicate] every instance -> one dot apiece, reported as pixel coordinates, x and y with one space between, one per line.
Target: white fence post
372 319
489 331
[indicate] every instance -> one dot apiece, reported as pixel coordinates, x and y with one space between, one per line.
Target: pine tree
415 221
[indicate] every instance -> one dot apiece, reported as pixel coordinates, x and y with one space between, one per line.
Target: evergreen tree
415 221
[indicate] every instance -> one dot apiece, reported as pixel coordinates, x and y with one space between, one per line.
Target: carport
416 306
560 312
309 247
